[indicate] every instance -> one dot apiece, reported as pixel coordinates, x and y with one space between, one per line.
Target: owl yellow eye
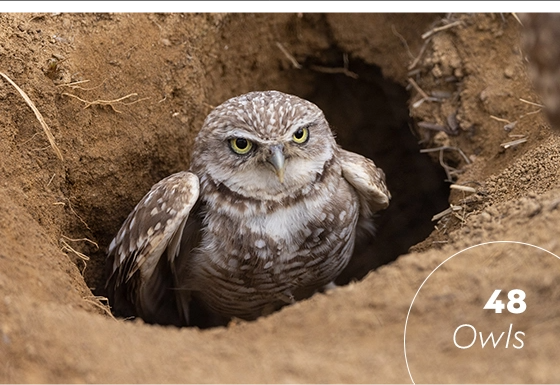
240 146
301 135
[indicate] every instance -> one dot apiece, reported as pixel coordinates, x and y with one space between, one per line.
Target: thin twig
336 70
67 247
516 18
422 50
531 103
449 171
462 188
500 119
30 139
418 89
446 212
96 300
107 102
288 55
38 115
50 180
442 28
514 143
74 85
73 211
424 150
425 96
509 125
403 41
530 113
82 239
420 101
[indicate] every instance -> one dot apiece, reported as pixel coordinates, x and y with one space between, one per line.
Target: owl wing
369 182
143 252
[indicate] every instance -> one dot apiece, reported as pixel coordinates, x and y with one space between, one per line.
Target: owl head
264 144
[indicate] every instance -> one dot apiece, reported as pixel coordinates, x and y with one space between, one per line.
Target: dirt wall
125 95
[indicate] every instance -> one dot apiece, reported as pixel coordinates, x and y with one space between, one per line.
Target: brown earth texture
442 103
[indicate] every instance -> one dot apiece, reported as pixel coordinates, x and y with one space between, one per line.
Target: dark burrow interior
369 115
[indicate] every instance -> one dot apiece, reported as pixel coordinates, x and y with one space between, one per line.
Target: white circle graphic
441 264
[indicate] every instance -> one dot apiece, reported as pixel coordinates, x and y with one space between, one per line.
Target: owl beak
277 159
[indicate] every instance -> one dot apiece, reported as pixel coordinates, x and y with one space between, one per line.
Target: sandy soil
125 95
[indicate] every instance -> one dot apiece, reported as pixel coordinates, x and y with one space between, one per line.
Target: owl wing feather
141 281
369 182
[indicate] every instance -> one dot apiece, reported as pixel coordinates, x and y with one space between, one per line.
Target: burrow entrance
369 115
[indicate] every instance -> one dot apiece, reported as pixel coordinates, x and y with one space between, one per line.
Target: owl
267 214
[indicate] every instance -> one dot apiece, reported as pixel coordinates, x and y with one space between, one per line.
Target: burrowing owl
268 214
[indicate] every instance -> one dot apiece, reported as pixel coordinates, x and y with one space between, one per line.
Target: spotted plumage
267 214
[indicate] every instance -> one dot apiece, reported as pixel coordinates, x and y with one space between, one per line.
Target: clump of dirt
125 95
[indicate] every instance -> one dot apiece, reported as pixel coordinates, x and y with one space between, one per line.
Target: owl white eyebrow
243 134
236 133
305 125
253 138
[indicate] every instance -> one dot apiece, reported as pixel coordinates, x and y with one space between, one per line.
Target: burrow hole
369 116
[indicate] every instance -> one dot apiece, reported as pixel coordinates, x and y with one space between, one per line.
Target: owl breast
257 256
